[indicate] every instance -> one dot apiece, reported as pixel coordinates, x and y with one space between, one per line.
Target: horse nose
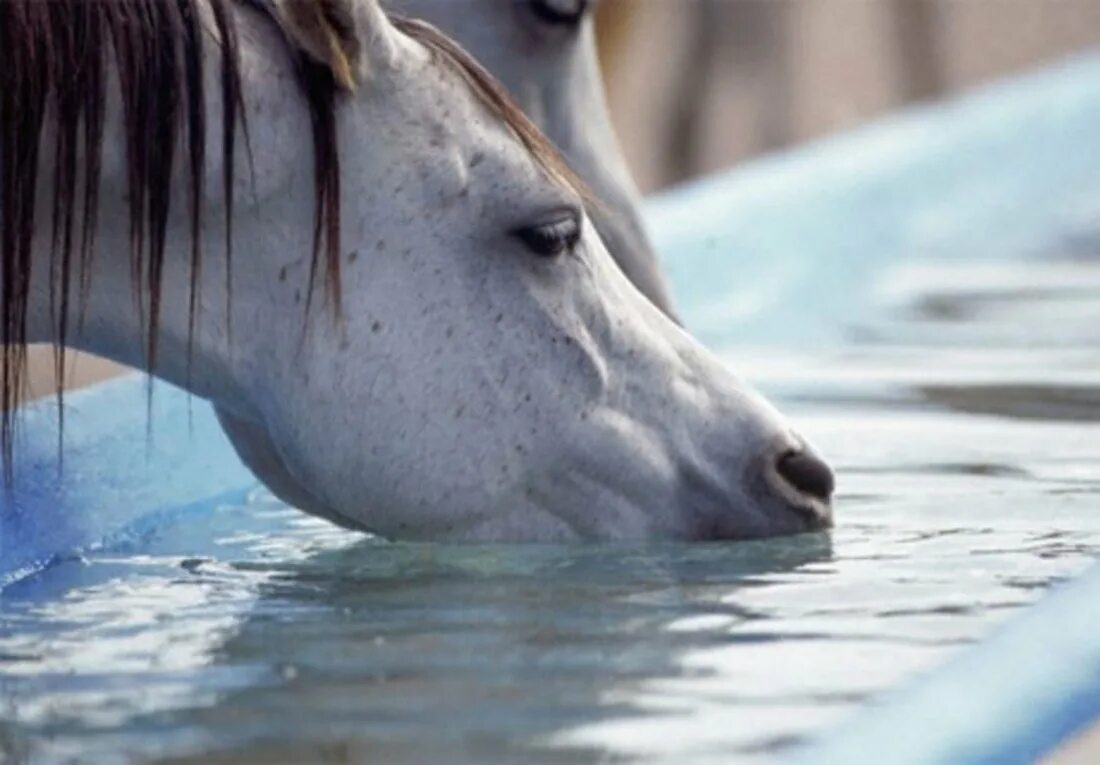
807 474
804 483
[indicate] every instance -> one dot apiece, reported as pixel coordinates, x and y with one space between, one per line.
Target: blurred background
700 85
696 86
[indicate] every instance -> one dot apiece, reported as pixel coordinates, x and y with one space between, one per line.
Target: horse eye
560 12
553 238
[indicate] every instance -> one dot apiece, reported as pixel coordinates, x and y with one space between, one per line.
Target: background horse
481 368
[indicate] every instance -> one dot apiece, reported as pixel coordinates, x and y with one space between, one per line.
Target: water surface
961 415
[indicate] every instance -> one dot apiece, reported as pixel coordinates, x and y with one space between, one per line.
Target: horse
420 318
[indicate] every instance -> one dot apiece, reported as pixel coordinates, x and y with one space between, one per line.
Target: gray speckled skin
552 71
474 391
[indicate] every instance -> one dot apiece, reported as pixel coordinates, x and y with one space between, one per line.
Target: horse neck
111 318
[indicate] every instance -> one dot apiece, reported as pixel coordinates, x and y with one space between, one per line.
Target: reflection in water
1040 402
966 444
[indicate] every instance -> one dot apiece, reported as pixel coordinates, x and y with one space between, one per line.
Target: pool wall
126 469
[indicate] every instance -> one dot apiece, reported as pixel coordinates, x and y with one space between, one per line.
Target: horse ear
342 34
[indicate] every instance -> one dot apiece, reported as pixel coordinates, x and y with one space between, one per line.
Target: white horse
459 357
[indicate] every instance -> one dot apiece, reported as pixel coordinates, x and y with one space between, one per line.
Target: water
962 416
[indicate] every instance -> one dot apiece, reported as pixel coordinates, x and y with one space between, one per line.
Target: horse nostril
565 12
807 473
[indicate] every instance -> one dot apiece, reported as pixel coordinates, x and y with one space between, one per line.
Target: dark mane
53 62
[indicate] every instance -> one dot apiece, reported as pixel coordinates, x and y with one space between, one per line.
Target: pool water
962 415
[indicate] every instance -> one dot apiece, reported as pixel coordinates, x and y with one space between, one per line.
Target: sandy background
699 85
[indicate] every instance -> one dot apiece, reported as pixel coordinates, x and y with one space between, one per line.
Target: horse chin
337 518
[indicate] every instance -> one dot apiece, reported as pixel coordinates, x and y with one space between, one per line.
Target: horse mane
53 61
